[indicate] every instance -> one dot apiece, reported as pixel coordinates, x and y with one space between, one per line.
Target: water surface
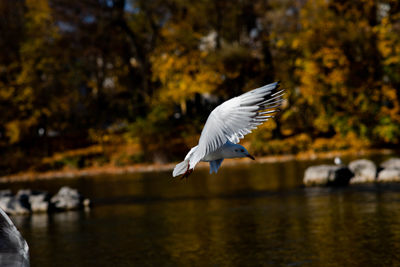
247 215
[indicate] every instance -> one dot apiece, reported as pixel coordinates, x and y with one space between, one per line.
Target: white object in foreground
227 124
14 250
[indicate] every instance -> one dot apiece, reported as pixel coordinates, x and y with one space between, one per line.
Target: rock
24 193
39 201
393 163
26 201
66 199
364 171
340 177
390 171
4 200
18 205
86 202
5 193
318 175
389 175
330 175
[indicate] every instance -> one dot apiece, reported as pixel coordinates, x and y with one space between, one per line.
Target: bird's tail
181 168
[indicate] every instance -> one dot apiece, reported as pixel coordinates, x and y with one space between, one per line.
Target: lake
246 215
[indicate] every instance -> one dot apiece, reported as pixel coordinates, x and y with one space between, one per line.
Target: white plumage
230 122
14 250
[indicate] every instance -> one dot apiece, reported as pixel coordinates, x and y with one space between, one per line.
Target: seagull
227 124
337 161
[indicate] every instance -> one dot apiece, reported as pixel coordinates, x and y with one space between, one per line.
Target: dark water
248 215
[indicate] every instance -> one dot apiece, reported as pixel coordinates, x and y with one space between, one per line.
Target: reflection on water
248 215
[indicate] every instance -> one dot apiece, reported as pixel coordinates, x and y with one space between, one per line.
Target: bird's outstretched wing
235 118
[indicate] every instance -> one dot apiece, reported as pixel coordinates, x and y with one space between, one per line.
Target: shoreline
157 167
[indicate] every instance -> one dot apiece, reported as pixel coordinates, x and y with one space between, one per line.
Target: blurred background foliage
94 82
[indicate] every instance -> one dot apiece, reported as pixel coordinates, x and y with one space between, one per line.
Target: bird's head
241 152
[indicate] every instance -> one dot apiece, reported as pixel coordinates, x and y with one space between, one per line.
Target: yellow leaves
13 131
285 42
337 77
392 60
307 81
388 42
266 128
327 69
34 53
338 142
389 92
6 92
26 93
331 57
390 96
290 145
385 47
39 12
40 27
322 123
308 74
183 75
295 43
280 43
299 62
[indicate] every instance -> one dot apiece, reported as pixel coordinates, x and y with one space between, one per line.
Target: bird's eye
242 150
236 150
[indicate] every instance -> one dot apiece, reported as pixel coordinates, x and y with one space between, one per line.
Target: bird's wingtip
180 168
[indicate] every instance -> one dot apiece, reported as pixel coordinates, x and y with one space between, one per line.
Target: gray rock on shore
393 163
358 171
389 175
39 201
18 204
390 172
335 175
67 199
27 201
364 171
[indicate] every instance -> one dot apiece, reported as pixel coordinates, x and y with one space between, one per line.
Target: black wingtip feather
276 86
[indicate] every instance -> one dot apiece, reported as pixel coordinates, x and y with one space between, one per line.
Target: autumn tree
151 71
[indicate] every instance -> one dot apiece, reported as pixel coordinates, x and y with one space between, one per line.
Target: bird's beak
250 156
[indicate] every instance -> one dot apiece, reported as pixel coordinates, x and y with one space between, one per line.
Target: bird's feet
187 173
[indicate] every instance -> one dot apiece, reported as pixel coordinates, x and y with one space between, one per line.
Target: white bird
337 160
227 124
